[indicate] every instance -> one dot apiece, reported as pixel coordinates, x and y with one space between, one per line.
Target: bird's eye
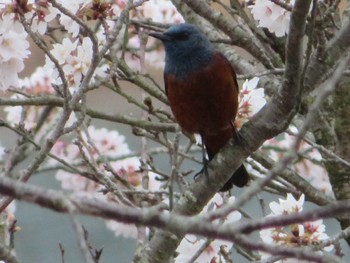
183 36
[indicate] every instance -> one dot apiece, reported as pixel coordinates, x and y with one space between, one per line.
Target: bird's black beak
160 36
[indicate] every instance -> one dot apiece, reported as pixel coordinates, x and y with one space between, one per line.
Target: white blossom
271 16
78 65
13 50
306 233
191 243
251 100
69 24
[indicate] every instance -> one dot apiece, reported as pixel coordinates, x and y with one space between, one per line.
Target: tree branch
88 205
323 64
118 118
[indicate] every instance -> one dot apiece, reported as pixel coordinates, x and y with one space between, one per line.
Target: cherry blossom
251 100
191 243
310 167
39 83
42 15
13 50
162 11
287 206
9 72
75 59
62 52
307 233
74 6
78 65
271 16
96 143
106 144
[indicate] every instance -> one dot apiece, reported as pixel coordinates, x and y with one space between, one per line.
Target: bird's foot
204 171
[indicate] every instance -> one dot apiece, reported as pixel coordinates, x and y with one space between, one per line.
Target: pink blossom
162 11
13 45
191 243
62 52
69 24
41 17
108 143
251 100
97 144
307 233
155 59
76 66
314 173
271 16
121 3
66 151
287 206
9 72
13 50
75 59
38 83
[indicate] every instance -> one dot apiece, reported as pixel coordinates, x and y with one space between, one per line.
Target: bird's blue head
187 49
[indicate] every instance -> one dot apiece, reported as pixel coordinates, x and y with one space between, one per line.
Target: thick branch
87 205
322 64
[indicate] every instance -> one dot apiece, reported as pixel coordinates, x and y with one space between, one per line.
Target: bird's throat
182 66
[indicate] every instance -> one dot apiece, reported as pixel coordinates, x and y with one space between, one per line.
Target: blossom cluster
75 59
38 84
73 55
96 144
306 233
210 251
251 100
108 153
310 167
272 16
14 48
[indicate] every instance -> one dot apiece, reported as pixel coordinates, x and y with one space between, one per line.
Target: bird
202 90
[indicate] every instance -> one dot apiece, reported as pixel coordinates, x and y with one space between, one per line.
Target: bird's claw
204 171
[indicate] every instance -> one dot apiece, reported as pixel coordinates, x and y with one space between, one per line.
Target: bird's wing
165 84
231 68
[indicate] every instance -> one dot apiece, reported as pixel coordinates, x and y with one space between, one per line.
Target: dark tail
239 178
213 143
